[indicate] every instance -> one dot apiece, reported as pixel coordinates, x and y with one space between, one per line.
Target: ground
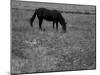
33 50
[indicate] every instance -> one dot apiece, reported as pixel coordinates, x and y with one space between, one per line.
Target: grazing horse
49 15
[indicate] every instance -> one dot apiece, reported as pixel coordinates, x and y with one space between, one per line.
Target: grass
37 51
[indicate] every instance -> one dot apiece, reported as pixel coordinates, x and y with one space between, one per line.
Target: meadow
34 51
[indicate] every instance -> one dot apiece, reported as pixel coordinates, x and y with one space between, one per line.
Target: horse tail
33 17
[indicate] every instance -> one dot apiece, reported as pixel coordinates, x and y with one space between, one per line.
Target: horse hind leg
40 24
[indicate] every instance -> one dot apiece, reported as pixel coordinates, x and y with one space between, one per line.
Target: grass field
37 51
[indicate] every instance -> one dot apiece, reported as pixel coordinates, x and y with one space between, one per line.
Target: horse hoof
43 29
64 31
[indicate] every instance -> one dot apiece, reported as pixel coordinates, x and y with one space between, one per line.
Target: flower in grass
33 43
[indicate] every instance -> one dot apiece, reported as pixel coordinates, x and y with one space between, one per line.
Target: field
34 51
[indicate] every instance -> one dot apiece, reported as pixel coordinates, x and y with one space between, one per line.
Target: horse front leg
57 25
53 24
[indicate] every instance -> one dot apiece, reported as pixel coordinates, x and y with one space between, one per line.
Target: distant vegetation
69 12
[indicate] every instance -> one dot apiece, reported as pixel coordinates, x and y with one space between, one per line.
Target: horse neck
61 20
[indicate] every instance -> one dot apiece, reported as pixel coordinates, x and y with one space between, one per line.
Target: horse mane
61 19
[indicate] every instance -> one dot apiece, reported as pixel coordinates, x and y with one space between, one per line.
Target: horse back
45 11
47 14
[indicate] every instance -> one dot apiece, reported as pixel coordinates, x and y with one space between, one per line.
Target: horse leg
40 24
53 24
57 25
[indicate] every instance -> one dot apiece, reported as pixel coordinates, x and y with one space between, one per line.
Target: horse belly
48 18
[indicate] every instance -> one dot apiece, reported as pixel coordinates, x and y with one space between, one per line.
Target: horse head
63 24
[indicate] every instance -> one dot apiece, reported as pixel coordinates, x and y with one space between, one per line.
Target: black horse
49 15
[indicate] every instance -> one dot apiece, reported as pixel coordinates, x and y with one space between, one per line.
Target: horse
48 15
